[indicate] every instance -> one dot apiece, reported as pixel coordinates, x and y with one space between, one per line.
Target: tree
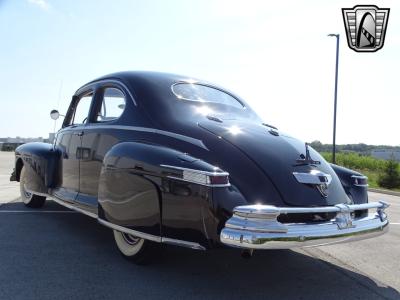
391 177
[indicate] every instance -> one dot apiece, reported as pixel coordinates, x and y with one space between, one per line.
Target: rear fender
137 191
358 193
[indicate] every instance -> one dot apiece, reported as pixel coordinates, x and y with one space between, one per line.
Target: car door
97 139
69 141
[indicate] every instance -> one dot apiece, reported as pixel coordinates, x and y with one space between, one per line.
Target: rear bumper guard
257 227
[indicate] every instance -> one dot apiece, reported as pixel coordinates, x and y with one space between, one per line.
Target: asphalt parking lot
54 253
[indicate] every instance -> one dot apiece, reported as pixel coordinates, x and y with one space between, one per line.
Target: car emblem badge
316 178
365 27
323 189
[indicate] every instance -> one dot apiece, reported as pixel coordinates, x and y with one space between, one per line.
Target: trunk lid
277 156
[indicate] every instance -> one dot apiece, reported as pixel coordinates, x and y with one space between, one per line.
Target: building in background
386 154
10 144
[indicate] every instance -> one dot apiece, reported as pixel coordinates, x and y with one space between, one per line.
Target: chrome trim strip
151 237
130 231
313 177
181 243
207 173
360 177
63 203
209 185
147 236
177 136
257 227
197 171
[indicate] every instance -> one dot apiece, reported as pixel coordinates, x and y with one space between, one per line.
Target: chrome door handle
79 133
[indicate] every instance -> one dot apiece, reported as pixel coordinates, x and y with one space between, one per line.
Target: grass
366 165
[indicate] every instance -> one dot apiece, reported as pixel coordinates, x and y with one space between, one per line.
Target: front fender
43 164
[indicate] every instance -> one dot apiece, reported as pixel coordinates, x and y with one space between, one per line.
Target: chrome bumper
257 227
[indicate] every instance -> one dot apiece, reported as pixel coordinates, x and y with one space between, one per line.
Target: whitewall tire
132 247
29 199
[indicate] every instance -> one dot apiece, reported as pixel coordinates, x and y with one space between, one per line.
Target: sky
274 54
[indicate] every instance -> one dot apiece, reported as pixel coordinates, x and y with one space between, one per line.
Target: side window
112 106
82 109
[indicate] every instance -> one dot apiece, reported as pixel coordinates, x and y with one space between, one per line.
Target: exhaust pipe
247 253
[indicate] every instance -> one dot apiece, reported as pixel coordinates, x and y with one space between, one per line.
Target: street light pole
335 103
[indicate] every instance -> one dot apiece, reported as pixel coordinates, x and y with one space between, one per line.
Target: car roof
129 76
152 91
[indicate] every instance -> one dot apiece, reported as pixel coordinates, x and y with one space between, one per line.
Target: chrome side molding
201 177
65 204
181 243
154 238
139 234
146 236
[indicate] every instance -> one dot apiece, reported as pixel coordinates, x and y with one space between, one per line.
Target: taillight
360 180
219 179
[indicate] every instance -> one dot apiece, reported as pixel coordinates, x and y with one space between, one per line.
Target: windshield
204 93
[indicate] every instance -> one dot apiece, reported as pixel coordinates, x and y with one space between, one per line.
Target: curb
387 192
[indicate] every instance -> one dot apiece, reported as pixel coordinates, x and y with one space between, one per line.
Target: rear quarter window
204 93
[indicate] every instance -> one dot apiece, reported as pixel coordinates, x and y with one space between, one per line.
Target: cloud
41 3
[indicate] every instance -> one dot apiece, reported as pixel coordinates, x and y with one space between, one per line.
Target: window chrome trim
103 102
89 92
108 81
206 85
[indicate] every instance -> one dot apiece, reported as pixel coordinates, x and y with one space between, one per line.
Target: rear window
204 93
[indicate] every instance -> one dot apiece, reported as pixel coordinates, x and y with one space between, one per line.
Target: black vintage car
170 159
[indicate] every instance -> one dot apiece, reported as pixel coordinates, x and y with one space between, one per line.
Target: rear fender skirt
138 191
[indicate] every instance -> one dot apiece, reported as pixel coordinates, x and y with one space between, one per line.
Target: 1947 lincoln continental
169 159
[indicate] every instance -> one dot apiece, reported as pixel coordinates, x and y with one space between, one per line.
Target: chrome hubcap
24 192
130 239
27 194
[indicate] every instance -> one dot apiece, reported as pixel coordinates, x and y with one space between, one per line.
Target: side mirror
54 114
